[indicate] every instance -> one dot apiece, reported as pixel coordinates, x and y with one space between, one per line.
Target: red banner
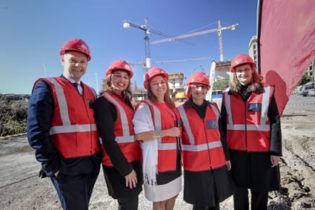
286 34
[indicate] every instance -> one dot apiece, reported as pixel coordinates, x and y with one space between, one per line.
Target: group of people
222 152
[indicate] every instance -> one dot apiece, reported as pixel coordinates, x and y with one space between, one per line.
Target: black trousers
259 199
197 207
74 192
130 203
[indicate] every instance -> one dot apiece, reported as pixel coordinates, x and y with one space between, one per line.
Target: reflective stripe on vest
216 112
72 128
126 137
186 124
64 114
158 127
264 114
192 146
201 147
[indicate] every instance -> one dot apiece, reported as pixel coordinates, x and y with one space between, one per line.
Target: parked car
308 89
299 90
311 92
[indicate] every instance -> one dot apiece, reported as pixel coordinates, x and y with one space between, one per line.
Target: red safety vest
248 126
201 145
123 130
73 128
167 146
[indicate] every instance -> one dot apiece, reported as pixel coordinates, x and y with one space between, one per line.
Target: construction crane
199 33
145 28
147 31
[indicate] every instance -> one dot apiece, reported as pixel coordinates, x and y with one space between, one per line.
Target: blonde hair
167 97
106 86
255 84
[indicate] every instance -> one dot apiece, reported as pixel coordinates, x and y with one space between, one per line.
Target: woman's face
119 81
244 74
158 86
198 92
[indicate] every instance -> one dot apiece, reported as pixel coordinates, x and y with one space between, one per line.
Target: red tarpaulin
286 33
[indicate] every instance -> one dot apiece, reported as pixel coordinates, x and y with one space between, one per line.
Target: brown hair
106 86
255 84
167 97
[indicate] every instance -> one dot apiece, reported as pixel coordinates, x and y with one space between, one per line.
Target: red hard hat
240 60
119 65
197 78
153 72
77 45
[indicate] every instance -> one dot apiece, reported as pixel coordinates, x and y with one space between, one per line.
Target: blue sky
33 31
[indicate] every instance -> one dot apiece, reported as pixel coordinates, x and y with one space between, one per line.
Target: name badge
255 107
210 124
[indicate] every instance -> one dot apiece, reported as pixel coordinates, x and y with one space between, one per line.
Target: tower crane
147 31
219 30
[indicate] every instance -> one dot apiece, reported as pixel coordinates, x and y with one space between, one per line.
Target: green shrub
13 114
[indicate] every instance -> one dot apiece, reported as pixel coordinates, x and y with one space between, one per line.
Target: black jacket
39 117
253 169
210 187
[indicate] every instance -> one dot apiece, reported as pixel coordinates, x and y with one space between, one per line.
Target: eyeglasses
197 86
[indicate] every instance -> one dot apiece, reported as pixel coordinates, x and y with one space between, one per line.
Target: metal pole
220 40
147 61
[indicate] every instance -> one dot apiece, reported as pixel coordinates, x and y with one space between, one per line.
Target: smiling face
158 86
119 81
74 65
198 92
244 74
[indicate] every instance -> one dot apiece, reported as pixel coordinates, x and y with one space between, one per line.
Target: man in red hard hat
62 130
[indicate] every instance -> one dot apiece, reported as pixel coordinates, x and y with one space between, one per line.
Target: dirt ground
21 189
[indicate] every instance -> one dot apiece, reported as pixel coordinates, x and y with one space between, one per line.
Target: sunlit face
198 91
244 74
158 86
119 81
74 64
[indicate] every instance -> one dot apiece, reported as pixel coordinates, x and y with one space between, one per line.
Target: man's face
74 64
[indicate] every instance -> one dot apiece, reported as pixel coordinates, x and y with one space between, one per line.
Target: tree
220 84
305 79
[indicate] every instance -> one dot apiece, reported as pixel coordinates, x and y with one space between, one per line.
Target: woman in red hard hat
251 125
121 152
156 124
207 181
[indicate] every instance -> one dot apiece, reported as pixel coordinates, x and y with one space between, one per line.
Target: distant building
176 84
252 48
310 69
138 95
176 80
222 69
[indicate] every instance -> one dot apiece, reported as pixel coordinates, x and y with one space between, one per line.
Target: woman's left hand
275 160
228 165
131 180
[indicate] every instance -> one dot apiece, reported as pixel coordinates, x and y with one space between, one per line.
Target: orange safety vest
201 145
167 146
73 128
248 126
123 130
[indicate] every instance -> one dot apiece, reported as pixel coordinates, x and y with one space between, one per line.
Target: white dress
142 123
